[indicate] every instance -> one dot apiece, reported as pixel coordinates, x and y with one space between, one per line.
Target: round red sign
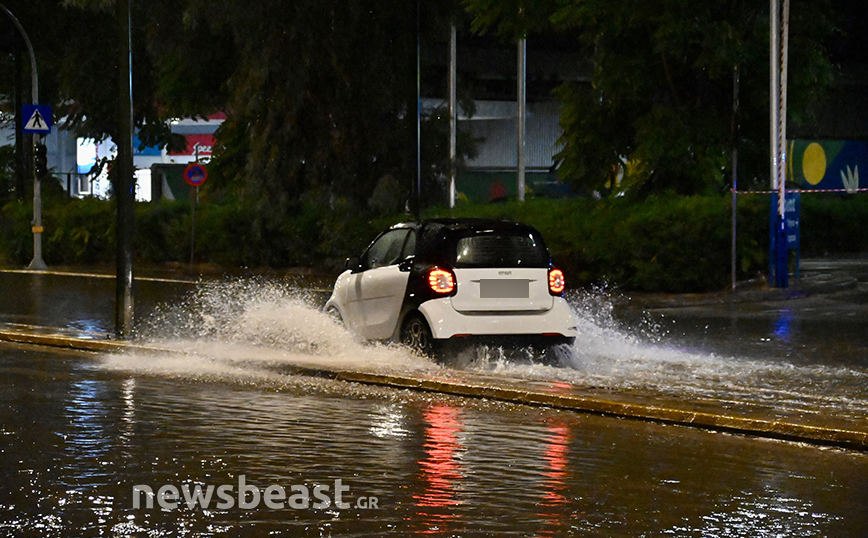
195 174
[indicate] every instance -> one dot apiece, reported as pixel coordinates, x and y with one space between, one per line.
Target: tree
320 95
76 47
659 106
322 98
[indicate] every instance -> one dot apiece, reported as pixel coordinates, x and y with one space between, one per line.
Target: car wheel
416 335
559 354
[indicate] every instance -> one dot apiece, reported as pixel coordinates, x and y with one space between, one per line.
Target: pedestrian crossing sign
37 119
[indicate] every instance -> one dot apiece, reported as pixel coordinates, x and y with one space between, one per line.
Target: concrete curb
854 439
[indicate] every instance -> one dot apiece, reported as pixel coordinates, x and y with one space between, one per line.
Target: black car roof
466 224
434 234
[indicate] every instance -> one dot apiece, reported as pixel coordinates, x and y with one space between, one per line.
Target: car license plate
500 288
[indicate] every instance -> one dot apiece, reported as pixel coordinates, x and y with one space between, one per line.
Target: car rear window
501 249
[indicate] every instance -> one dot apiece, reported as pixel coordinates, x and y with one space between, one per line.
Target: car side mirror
407 264
353 264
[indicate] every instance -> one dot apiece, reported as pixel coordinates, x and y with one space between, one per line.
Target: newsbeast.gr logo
246 496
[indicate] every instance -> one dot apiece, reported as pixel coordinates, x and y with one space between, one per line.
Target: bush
16 239
663 243
834 224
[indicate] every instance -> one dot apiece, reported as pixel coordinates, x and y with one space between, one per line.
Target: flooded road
78 437
88 440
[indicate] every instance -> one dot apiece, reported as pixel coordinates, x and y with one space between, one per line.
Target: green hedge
82 232
664 243
834 224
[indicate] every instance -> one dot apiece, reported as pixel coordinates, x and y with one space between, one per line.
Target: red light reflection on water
553 510
440 469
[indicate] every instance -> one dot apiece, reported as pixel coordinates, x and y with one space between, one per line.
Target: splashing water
256 330
252 330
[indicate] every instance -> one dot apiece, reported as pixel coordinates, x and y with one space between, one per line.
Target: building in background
79 164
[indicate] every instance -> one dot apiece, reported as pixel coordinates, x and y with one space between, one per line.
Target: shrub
663 243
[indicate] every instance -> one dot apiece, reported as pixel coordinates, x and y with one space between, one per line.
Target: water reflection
441 469
553 510
783 326
77 438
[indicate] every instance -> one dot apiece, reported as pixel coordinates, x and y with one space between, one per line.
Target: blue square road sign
36 118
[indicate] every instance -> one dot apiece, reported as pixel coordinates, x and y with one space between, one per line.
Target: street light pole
124 184
453 112
37 262
521 118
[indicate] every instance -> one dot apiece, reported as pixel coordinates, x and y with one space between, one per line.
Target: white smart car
455 280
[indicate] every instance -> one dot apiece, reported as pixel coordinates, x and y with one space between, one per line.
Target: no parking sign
195 174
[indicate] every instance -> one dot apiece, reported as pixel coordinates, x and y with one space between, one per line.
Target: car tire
416 334
559 354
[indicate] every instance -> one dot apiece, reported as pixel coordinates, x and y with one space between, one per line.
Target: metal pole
34 78
418 209
124 184
774 111
783 269
37 262
194 195
735 133
782 132
774 89
21 167
522 109
195 200
453 112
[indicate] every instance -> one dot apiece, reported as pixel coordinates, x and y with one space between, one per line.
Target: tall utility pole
522 108
124 184
37 262
778 250
453 112
735 137
417 210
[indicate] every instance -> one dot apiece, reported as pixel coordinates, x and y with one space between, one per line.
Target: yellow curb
774 429
50 272
80 344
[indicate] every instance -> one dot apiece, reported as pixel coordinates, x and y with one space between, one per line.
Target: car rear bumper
446 322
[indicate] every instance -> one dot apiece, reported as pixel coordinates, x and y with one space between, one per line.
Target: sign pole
37 263
195 174
194 191
195 194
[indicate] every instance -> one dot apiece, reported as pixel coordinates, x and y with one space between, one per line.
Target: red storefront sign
201 142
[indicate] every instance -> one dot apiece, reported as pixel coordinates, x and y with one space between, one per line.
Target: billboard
197 144
831 165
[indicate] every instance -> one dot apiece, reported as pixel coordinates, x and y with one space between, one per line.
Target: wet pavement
218 386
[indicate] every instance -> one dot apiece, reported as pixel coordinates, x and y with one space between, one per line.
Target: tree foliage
660 101
320 96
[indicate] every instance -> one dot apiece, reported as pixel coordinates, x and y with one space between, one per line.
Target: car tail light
441 281
556 281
